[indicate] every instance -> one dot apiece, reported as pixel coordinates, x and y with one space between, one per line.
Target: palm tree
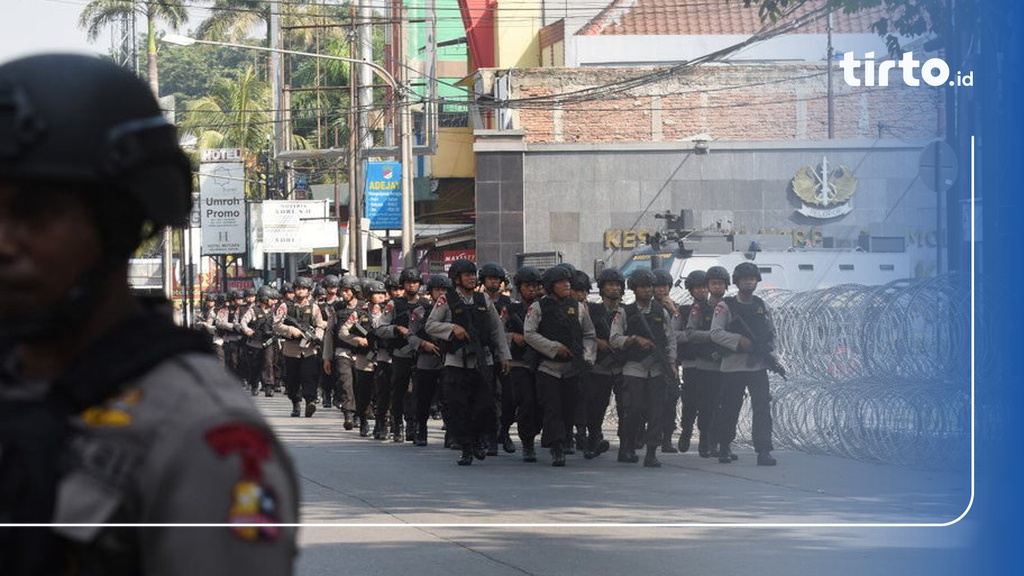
98 14
235 115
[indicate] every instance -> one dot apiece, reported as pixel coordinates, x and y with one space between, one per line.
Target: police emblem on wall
825 190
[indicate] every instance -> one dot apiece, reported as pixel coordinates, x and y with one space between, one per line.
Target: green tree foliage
907 18
100 14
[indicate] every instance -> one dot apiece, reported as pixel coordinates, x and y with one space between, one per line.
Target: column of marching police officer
461 349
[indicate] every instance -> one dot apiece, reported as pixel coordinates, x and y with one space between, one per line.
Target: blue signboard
384 195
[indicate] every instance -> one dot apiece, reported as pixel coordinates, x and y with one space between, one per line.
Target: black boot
666 444
296 409
310 407
466 459
628 455
703 446
764 458
651 459
410 431
529 455
348 419
396 432
492 445
479 452
364 427
378 429
725 455
420 437
684 440
507 444
557 456
268 391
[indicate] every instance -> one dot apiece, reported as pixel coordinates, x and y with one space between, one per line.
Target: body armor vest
515 316
602 319
754 315
635 327
560 322
471 317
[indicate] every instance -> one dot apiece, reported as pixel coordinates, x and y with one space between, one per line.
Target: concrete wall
571 194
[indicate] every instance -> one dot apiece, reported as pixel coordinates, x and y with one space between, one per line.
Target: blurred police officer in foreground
109 413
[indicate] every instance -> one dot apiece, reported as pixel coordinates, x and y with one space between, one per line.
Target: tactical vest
365 322
694 350
502 304
302 314
560 322
473 318
754 315
602 319
634 327
515 316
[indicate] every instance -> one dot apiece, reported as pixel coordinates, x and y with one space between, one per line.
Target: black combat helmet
746 270
553 275
662 277
330 281
610 275
717 273
580 281
374 287
304 282
410 275
83 120
461 266
267 292
391 281
642 277
439 281
492 270
526 274
695 278
349 282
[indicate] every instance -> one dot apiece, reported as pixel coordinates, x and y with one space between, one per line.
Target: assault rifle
309 337
659 353
760 350
265 332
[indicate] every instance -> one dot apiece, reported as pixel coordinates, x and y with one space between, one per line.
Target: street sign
384 195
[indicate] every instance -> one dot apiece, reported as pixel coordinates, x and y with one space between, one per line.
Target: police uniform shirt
549 348
738 361
618 341
292 347
338 316
179 445
440 326
362 361
387 329
417 333
609 364
227 323
682 336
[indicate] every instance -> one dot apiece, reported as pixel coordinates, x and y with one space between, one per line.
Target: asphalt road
375 507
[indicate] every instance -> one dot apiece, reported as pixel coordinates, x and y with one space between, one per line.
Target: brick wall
777 102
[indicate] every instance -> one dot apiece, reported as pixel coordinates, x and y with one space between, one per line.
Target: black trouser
596 396
470 404
527 410
381 391
260 367
401 375
690 401
733 385
504 404
425 385
362 388
301 375
344 395
328 385
707 394
233 358
557 398
668 417
643 402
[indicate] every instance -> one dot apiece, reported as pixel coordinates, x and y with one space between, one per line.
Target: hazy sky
28 26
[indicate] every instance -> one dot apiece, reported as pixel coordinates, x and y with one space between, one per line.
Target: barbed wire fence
875 373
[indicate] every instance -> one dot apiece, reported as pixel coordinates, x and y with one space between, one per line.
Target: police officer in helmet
89 168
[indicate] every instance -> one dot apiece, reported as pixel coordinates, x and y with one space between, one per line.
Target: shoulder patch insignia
719 307
442 300
254 510
114 413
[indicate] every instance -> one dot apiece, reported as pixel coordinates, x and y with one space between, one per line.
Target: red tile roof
707 17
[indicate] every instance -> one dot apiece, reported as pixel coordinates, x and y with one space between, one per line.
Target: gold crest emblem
825 190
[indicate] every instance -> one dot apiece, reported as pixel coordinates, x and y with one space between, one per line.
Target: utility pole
355 206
